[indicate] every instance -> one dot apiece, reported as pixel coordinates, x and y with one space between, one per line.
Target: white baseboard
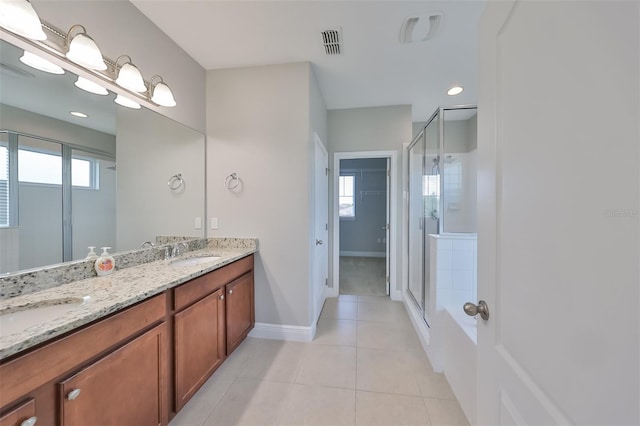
331 292
363 253
283 332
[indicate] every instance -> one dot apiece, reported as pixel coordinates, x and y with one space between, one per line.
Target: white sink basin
14 319
194 260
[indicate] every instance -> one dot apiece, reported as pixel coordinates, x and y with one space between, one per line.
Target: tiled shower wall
453 270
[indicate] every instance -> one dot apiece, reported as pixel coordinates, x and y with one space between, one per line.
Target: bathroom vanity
139 364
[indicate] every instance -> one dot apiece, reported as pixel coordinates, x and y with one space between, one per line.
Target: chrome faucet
147 244
178 249
175 250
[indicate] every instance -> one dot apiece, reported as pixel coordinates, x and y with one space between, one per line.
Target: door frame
392 156
317 297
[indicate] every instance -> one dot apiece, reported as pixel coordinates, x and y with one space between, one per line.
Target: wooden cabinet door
24 414
126 387
240 316
198 344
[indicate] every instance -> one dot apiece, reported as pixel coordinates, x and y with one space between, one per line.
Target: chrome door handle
481 308
318 242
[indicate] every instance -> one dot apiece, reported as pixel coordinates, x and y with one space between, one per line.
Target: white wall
119 28
372 129
259 125
151 149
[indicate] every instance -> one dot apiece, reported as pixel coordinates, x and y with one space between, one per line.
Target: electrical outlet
197 223
214 223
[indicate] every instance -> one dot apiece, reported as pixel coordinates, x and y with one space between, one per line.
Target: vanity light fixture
78 114
126 102
82 50
35 61
455 90
160 93
128 75
90 86
18 16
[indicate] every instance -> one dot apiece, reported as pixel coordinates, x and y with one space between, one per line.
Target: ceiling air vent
332 41
420 28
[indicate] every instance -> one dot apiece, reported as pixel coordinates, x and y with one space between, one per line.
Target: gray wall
364 233
259 123
372 129
151 149
119 28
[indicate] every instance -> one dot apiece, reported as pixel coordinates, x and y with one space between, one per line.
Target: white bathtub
459 339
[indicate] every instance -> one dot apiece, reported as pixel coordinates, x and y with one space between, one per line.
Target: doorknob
481 308
318 242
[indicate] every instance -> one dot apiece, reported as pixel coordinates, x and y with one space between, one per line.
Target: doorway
362 216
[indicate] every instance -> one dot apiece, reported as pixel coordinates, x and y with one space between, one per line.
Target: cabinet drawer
199 287
20 415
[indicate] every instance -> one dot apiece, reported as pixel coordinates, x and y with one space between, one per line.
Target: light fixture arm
68 38
152 85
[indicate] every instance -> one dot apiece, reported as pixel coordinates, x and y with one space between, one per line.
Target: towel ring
232 181
175 182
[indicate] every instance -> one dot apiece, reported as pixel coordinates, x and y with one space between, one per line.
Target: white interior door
321 233
387 225
558 213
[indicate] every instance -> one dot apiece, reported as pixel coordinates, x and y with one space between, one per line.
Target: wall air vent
420 28
332 41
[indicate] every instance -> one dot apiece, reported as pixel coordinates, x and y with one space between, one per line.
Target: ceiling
52 95
374 69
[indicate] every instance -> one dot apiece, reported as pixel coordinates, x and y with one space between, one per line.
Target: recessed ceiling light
455 90
78 114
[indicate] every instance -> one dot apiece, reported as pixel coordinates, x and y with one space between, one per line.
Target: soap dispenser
105 264
92 255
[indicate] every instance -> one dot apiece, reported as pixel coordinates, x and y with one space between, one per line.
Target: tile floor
365 367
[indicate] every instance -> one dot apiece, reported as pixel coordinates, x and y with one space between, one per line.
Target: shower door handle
481 308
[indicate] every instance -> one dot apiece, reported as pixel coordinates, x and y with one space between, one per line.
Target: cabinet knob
222 297
230 291
73 394
29 422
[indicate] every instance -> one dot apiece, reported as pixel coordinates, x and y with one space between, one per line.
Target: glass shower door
416 220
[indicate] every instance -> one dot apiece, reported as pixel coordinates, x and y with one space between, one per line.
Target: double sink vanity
130 348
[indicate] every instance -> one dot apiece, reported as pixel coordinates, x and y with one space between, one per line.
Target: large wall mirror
69 182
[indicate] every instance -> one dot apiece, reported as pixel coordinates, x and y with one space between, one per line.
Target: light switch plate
214 223
197 223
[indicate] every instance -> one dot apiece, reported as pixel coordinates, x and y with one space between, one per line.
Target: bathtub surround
38 279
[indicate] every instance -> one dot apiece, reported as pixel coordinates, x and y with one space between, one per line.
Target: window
39 167
45 168
83 173
346 197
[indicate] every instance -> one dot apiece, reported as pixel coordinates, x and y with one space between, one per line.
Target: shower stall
442 194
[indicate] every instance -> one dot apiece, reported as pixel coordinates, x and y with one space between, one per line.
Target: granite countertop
109 294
